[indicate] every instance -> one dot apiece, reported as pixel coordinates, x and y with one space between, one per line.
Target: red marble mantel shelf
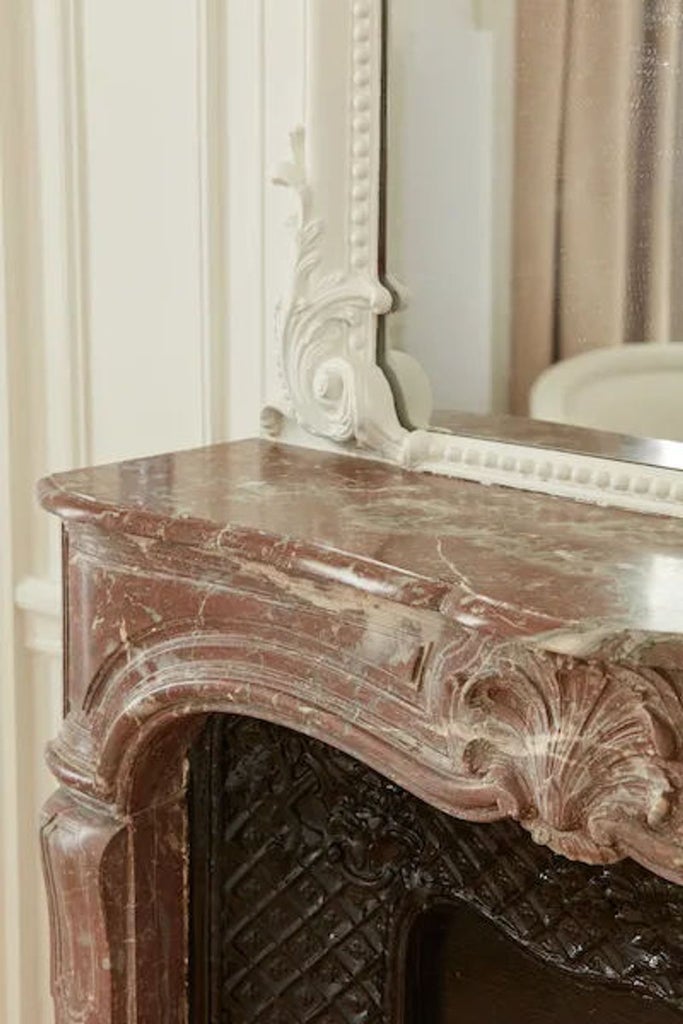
495 652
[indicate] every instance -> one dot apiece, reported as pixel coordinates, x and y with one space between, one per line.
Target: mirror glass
533 219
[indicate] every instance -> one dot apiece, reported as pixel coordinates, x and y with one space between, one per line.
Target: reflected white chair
632 389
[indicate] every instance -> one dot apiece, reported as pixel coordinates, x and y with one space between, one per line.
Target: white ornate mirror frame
328 324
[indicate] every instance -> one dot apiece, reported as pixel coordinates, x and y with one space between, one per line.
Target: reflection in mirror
533 218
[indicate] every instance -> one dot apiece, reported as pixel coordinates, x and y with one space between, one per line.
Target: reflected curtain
597 130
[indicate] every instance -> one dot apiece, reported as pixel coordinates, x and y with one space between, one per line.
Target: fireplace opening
462 970
322 893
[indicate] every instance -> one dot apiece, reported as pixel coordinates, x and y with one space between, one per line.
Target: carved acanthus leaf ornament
326 364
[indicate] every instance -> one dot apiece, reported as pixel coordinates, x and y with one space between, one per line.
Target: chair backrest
632 389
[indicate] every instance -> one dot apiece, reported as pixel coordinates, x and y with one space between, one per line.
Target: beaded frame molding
332 383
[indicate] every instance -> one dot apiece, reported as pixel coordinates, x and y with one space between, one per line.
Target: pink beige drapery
596 196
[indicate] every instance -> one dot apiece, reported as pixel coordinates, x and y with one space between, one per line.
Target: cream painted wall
144 252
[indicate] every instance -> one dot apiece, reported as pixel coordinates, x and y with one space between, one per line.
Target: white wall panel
141 113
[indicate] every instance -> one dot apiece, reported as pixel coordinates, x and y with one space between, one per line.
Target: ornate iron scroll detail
319 866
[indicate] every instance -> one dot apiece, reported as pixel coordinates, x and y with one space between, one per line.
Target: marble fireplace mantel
497 653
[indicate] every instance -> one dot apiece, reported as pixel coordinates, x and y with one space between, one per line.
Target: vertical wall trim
245 183
77 228
62 164
10 864
211 145
55 286
263 179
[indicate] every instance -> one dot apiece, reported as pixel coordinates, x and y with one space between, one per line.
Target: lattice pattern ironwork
318 863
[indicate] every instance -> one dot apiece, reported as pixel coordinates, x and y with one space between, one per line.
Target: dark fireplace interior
464 970
321 893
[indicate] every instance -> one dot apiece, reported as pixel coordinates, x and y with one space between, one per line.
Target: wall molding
60 114
40 603
44 421
244 183
211 148
10 870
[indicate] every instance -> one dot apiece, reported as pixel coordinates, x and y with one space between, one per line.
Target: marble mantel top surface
499 654
526 564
